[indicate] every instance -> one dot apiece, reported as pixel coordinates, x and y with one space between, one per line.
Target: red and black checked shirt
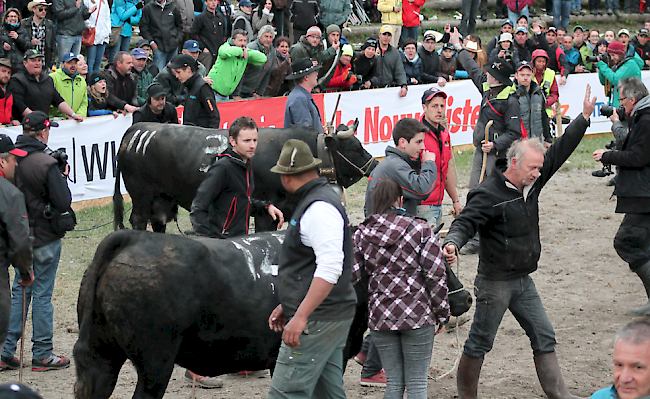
407 285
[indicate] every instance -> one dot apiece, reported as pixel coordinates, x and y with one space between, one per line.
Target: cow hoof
204 382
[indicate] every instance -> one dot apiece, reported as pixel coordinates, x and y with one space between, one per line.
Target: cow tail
84 355
118 202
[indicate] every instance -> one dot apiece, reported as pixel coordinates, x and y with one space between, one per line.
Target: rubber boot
550 377
643 272
469 369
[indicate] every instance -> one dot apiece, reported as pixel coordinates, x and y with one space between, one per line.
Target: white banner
92 145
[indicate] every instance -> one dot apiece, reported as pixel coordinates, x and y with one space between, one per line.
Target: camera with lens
608 110
605 171
611 145
60 155
507 54
591 58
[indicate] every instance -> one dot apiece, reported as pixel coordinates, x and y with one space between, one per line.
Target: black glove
139 5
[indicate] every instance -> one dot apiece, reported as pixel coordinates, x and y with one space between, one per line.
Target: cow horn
344 134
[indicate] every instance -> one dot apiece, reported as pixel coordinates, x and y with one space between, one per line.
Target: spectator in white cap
41 30
430 59
624 38
71 86
304 14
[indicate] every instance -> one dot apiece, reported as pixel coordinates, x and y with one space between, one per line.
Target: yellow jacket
388 16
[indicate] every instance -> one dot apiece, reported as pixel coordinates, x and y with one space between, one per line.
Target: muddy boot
643 272
550 377
469 370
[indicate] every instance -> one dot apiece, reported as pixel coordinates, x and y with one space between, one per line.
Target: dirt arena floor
585 287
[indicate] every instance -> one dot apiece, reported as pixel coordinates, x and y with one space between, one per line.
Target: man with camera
632 241
613 66
42 179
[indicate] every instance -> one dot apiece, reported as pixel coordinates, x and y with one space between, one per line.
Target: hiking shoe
9 363
204 382
53 362
360 358
377 380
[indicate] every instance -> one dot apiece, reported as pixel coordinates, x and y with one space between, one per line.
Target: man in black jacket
632 241
15 244
175 91
504 211
33 89
70 16
41 31
200 107
222 205
162 26
156 109
430 60
209 29
43 182
121 85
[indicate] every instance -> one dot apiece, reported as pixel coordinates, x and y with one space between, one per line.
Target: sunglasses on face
41 9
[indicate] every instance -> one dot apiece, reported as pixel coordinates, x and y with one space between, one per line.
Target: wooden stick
22 338
485 154
558 118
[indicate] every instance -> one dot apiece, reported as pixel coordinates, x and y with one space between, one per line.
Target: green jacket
74 93
585 51
144 78
628 68
230 66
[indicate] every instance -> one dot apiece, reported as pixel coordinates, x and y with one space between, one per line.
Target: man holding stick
504 212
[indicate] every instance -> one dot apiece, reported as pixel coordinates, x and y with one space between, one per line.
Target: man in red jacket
411 19
437 140
7 101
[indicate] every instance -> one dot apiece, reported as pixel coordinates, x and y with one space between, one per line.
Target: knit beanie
333 28
616 48
314 29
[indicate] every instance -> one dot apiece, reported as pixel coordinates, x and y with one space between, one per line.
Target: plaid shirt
407 285
38 32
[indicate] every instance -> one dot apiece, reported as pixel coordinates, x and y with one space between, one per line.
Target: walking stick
485 154
558 118
22 338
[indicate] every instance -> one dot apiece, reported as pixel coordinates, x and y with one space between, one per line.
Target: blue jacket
124 12
609 393
302 110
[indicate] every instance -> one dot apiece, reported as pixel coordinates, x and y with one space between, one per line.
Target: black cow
160 300
163 166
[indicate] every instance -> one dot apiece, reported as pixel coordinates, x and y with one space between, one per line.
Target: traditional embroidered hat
302 67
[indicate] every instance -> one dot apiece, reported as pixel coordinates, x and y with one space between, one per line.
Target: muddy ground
585 288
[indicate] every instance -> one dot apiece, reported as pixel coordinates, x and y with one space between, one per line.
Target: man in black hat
42 180
642 46
156 109
200 107
497 105
317 300
301 108
15 244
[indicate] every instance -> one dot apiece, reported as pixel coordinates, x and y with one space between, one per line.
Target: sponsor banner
92 145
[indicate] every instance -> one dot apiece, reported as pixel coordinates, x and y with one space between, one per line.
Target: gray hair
517 149
632 88
635 332
266 29
236 32
4 155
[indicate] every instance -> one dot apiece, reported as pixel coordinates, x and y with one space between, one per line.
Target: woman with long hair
97 95
262 15
15 41
407 289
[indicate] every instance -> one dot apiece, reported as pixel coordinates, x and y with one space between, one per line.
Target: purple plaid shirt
408 284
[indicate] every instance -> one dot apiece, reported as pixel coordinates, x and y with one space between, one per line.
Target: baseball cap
17 390
505 37
6 145
181 61
432 34
370 42
31 53
155 90
141 43
192 46
578 27
623 32
138 53
386 29
524 64
552 29
432 92
5 62
507 22
245 3
642 32
448 46
521 29
69 57
95 77
38 120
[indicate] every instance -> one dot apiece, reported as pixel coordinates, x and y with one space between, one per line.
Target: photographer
632 241
42 179
619 67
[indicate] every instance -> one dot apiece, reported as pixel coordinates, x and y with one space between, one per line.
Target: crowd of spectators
245 51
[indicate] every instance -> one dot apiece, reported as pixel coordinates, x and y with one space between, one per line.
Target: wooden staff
485 154
22 338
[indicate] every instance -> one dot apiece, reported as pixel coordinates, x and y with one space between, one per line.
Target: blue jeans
432 213
219 98
315 369
514 16
576 5
66 44
411 32
372 365
611 4
161 58
46 262
561 13
406 356
94 55
468 22
123 45
519 295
